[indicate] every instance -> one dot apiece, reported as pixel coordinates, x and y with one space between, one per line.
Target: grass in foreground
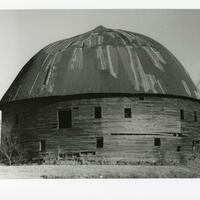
97 171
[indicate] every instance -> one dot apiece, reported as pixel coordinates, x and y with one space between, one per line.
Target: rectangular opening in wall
64 118
97 112
17 119
195 116
182 114
127 112
157 142
99 142
178 148
141 98
42 145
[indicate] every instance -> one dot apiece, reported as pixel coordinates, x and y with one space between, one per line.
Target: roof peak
100 28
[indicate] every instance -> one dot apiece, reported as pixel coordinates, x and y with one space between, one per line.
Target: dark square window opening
195 116
64 119
141 98
127 112
182 114
42 145
157 142
178 148
99 142
97 112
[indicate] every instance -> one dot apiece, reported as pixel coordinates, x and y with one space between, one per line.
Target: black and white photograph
100 94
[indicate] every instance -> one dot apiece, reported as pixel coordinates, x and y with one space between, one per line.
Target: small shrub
194 161
10 152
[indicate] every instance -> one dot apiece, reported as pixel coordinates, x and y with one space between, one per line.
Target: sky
24 32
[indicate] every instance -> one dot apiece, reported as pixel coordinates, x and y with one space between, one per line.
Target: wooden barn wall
124 138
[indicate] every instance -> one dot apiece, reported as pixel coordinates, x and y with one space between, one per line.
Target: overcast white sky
25 32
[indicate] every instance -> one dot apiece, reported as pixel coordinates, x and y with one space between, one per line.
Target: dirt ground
96 171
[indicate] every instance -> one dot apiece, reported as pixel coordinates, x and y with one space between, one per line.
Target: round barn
108 95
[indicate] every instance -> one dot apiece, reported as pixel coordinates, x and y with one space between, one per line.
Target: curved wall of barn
124 139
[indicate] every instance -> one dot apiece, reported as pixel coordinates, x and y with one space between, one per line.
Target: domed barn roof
102 61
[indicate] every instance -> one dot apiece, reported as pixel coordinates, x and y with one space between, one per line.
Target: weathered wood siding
130 139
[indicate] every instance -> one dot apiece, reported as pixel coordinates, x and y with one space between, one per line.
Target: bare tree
10 149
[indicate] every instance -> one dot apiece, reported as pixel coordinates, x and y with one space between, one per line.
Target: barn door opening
99 142
64 118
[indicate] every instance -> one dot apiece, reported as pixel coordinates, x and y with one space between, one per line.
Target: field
97 171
